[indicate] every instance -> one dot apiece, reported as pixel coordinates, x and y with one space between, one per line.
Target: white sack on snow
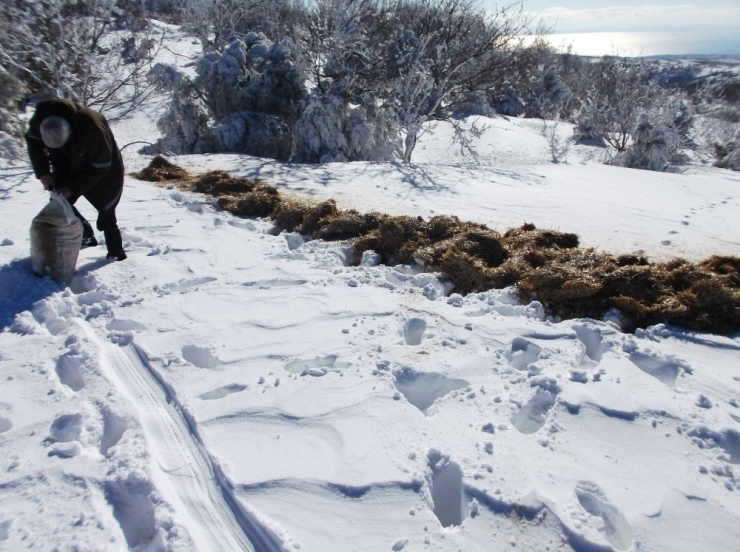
56 236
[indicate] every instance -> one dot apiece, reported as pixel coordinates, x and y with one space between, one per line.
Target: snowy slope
226 384
225 388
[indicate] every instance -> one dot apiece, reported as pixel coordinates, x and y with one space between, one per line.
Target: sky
604 16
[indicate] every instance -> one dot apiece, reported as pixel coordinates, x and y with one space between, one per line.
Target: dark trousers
105 204
87 230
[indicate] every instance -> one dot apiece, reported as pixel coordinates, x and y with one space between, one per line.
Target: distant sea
724 43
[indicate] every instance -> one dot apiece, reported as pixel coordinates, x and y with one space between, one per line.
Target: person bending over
73 152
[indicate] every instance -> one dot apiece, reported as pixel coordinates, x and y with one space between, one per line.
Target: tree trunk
410 143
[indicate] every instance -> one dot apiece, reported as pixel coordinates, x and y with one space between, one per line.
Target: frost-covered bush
727 146
72 49
136 50
547 95
251 75
330 129
253 133
507 101
660 138
585 131
653 147
11 127
722 137
244 99
477 104
730 159
217 23
167 78
344 78
619 92
184 128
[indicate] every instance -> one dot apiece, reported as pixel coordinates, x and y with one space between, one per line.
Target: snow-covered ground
225 388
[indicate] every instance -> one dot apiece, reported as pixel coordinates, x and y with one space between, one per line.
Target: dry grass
542 264
161 170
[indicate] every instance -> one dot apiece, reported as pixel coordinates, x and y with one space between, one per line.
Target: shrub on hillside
243 99
652 149
331 129
11 127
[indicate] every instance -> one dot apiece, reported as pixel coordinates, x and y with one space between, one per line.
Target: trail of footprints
525 355
132 497
129 493
92 420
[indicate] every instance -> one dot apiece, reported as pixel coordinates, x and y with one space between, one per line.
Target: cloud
641 18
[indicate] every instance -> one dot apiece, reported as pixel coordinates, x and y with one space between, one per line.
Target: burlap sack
56 236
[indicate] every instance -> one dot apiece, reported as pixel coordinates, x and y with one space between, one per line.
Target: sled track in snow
182 470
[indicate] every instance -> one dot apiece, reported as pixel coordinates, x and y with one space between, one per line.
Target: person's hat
55 131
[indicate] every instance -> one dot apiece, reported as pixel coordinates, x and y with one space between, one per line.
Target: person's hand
64 192
47 182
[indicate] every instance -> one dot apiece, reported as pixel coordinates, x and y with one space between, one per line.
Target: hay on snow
542 264
161 170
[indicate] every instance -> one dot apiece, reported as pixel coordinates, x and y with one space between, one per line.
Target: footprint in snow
66 428
275 282
64 436
114 426
422 389
448 491
317 367
532 416
523 353
185 285
616 529
662 367
122 325
728 441
5 529
243 224
202 357
132 508
592 339
413 331
221 392
68 371
5 424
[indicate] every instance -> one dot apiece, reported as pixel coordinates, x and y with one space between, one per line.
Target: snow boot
88 235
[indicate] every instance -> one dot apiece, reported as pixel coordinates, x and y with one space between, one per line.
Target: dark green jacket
90 161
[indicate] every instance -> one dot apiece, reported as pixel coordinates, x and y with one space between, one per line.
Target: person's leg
105 203
108 224
88 235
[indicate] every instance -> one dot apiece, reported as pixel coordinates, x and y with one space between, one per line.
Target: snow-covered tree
218 23
449 52
71 49
547 95
244 98
185 127
376 68
662 135
11 128
652 147
619 92
331 129
723 137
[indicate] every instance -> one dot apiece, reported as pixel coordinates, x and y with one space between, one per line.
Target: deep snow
229 389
